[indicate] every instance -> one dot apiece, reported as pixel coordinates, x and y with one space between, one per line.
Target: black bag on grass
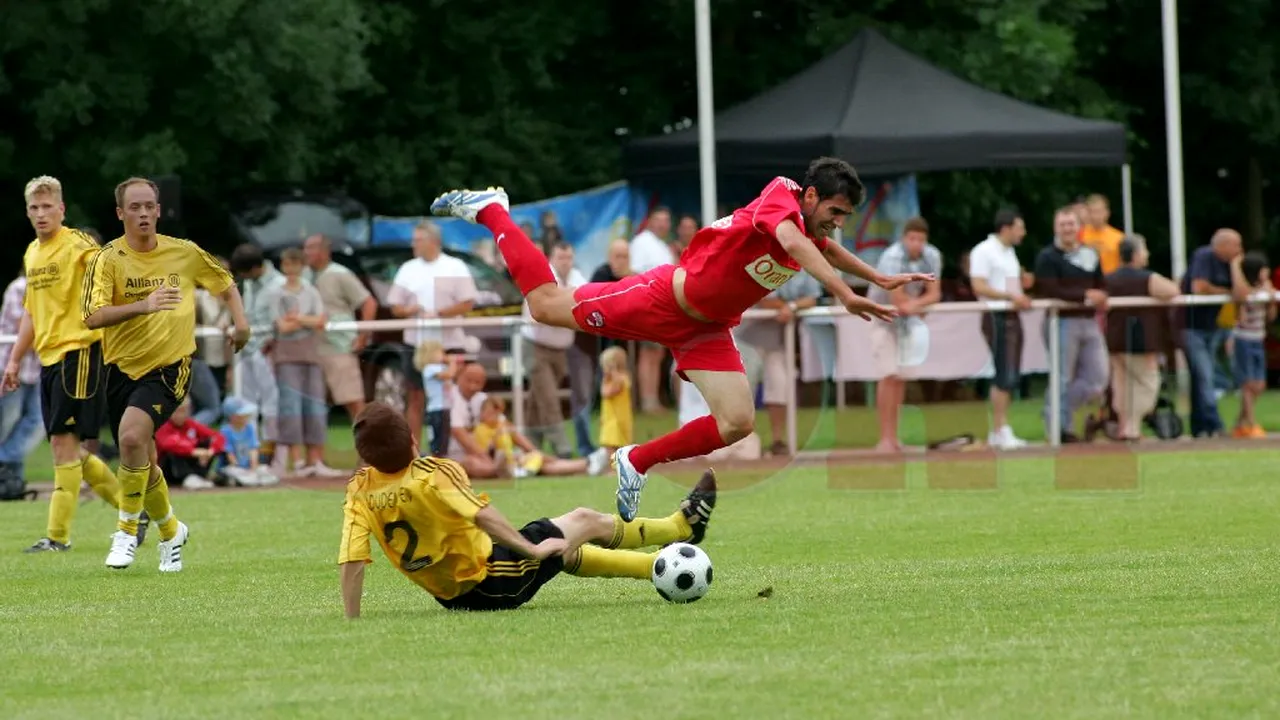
13 487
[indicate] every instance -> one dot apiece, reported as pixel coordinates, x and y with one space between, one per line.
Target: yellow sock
644 532
66 496
133 486
594 561
158 507
101 479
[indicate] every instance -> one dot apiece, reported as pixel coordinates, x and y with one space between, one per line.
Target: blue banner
588 220
878 223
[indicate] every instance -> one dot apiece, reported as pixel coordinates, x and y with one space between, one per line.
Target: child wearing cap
241 436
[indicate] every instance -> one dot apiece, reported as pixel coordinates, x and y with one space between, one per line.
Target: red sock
695 439
529 267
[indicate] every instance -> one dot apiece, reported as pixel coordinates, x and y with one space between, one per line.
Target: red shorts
643 307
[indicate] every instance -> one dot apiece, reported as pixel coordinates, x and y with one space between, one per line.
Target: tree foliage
394 99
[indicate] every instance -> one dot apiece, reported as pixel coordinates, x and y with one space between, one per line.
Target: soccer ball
682 573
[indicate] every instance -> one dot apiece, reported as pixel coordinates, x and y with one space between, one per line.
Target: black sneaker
144 522
698 504
47 545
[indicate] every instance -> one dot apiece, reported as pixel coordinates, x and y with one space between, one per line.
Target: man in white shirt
432 285
549 361
996 274
650 249
912 253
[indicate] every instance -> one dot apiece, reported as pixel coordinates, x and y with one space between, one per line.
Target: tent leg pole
706 110
1126 189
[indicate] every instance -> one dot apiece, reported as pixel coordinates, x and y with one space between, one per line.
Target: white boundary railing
1052 308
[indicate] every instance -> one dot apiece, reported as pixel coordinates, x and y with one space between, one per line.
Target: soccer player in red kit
692 306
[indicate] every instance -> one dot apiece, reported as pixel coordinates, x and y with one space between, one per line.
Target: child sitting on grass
615 401
494 435
241 438
189 450
1249 356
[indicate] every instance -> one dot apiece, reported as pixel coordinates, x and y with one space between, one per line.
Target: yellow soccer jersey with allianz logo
56 269
120 275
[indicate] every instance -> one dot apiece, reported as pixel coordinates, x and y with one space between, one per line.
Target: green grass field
1026 600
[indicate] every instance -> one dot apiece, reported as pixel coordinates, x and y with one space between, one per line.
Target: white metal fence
1051 307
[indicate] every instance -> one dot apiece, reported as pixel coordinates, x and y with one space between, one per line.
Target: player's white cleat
466 204
123 546
171 550
630 483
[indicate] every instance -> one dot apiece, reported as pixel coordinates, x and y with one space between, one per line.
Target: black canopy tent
889 113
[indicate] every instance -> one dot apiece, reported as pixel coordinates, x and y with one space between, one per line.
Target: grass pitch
1024 599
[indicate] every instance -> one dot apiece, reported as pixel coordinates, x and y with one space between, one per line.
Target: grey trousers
547 369
1082 355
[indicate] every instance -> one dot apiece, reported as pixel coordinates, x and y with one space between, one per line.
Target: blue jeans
1198 347
206 400
21 425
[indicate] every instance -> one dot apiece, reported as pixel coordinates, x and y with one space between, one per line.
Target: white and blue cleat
466 204
630 483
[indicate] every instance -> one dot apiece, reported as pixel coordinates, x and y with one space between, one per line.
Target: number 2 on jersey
407 560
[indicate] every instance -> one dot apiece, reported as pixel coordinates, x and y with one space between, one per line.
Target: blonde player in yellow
615 401
70 358
449 540
141 289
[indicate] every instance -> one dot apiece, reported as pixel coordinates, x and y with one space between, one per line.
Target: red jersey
736 261
182 440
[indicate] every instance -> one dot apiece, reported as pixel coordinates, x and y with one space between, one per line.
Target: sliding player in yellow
70 357
450 541
141 289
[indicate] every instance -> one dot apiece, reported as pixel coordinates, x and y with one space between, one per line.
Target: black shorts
71 394
1003 332
513 579
158 393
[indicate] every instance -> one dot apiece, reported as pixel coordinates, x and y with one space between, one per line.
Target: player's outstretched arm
800 247
493 522
352 588
235 304
845 261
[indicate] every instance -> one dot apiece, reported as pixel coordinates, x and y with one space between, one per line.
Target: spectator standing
1098 233
650 249
433 285
996 274
299 318
21 417
548 359
344 296
911 254
1251 272
258 279
1071 271
1137 338
1209 273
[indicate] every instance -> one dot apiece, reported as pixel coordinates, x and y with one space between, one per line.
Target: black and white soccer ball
682 573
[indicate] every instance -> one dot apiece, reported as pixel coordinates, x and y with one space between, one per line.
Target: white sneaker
322 470
598 462
264 476
243 477
171 550
195 482
1004 439
304 471
466 204
123 546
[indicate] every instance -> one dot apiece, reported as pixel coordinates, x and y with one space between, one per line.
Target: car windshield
288 223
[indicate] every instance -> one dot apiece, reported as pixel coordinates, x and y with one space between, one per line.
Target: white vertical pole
517 375
1055 378
789 353
1173 138
706 111
1126 189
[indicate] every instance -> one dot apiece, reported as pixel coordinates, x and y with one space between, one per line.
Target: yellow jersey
56 269
1107 242
424 519
120 275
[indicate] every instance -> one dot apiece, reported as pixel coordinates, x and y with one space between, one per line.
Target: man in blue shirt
1209 273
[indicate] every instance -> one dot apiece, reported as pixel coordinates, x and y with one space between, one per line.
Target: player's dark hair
833 176
383 438
246 257
1006 218
1252 265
